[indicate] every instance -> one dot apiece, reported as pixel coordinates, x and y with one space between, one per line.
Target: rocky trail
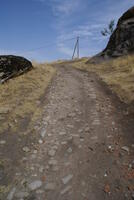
84 145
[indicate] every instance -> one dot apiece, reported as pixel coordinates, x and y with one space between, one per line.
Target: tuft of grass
20 97
118 74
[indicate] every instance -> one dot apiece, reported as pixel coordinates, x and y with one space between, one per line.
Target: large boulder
11 66
122 40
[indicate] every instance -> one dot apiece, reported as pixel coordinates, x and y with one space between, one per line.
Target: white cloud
64 49
66 7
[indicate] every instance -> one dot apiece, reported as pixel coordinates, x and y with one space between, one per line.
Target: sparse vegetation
20 97
109 30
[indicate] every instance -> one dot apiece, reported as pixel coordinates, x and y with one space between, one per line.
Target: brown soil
81 149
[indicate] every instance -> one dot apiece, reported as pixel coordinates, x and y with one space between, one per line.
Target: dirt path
79 155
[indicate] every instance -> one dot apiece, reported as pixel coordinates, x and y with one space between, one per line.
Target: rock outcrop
122 40
11 66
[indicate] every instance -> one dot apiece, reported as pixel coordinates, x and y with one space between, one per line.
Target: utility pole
76 47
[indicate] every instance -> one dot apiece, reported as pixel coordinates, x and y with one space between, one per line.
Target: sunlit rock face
121 41
11 66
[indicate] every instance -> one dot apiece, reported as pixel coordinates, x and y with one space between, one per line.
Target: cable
47 45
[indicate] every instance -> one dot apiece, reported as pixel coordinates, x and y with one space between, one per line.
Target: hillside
116 73
20 98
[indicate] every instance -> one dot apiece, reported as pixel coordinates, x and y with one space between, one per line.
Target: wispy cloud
84 18
65 7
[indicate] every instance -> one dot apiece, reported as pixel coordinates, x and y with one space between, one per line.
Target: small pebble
26 149
66 179
52 152
50 186
2 142
52 162
35 185
11 194
125 148
65 190
40 141
69 150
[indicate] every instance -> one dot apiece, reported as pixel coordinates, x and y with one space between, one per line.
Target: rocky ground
83 148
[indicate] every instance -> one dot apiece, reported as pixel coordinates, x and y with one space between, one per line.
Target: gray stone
94 138
11 194
64 142
55 168
4 110
62 133
39 191
65 190
41 169
40 141
26 149
35 185
70 126
52 162
80 130
2 142
49 134
52 152
22 195
35 151
55 147
125 148
67 178
87 129
50 186
69 150
43 133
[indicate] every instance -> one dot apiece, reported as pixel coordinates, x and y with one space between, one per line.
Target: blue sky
27 25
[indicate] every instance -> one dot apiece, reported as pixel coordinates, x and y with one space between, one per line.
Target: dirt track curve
82 151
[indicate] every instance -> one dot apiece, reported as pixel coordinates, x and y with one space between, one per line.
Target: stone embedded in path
87 129
66 179
2 142
43 133
55 168
65 190
70 126
11 194
125 148
52 152
80 130
52 162
22 195
69 150
96 122
40 141
94 138
64 142
62 133
49 134
26 149
50 186
35 185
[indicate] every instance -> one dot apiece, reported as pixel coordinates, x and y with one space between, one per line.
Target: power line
48 45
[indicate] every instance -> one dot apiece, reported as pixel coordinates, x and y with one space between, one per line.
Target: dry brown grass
117 73
19 97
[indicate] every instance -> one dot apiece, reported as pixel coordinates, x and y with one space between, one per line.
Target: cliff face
122 40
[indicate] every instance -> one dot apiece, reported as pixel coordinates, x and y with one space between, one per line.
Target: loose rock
50 186
66 179
35 185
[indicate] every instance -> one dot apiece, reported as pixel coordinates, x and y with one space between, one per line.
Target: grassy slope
117 73
19 97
